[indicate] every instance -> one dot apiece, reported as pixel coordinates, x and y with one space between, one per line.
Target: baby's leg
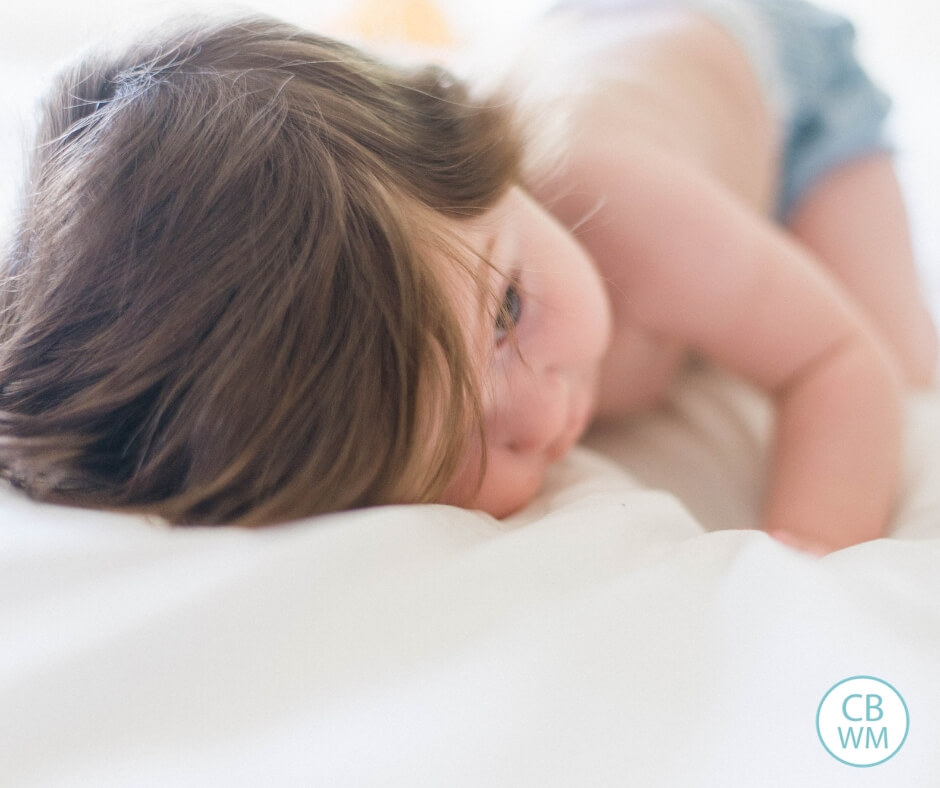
854 220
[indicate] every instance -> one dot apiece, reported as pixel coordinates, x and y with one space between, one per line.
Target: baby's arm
692 263
854 221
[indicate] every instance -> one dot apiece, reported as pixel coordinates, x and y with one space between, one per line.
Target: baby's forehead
464 259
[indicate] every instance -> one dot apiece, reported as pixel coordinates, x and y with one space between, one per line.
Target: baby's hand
804 543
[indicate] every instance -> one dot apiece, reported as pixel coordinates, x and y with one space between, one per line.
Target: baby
725 166
260 275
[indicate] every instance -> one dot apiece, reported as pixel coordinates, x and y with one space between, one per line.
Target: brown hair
217 307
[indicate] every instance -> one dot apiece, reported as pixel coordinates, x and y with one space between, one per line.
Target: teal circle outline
907 717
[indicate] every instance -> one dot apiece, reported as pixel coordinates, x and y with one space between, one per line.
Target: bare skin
674 164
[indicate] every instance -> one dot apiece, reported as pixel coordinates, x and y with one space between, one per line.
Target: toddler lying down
260 274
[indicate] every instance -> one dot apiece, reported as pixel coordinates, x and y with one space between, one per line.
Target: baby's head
247 283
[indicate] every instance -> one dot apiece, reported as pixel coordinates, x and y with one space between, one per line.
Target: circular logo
862 721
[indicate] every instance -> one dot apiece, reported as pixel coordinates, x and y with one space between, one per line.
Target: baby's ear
418 22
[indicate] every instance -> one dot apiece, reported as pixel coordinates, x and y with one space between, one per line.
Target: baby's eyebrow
491 271
490 245
490 278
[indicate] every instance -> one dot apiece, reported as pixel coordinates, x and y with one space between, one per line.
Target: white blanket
602 637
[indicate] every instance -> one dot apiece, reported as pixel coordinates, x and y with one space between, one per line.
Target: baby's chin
507 487
504 495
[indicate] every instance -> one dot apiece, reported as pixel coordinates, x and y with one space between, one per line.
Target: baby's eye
510 312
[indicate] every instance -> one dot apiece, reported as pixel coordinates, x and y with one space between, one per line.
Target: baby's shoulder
660 76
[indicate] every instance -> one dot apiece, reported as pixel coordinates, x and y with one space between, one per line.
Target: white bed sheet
602 637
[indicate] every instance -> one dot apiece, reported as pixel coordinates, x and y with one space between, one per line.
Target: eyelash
510 311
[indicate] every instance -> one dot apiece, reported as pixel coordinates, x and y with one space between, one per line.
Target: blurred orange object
413 21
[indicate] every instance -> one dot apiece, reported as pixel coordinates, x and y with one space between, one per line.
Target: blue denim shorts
832 110
828 108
